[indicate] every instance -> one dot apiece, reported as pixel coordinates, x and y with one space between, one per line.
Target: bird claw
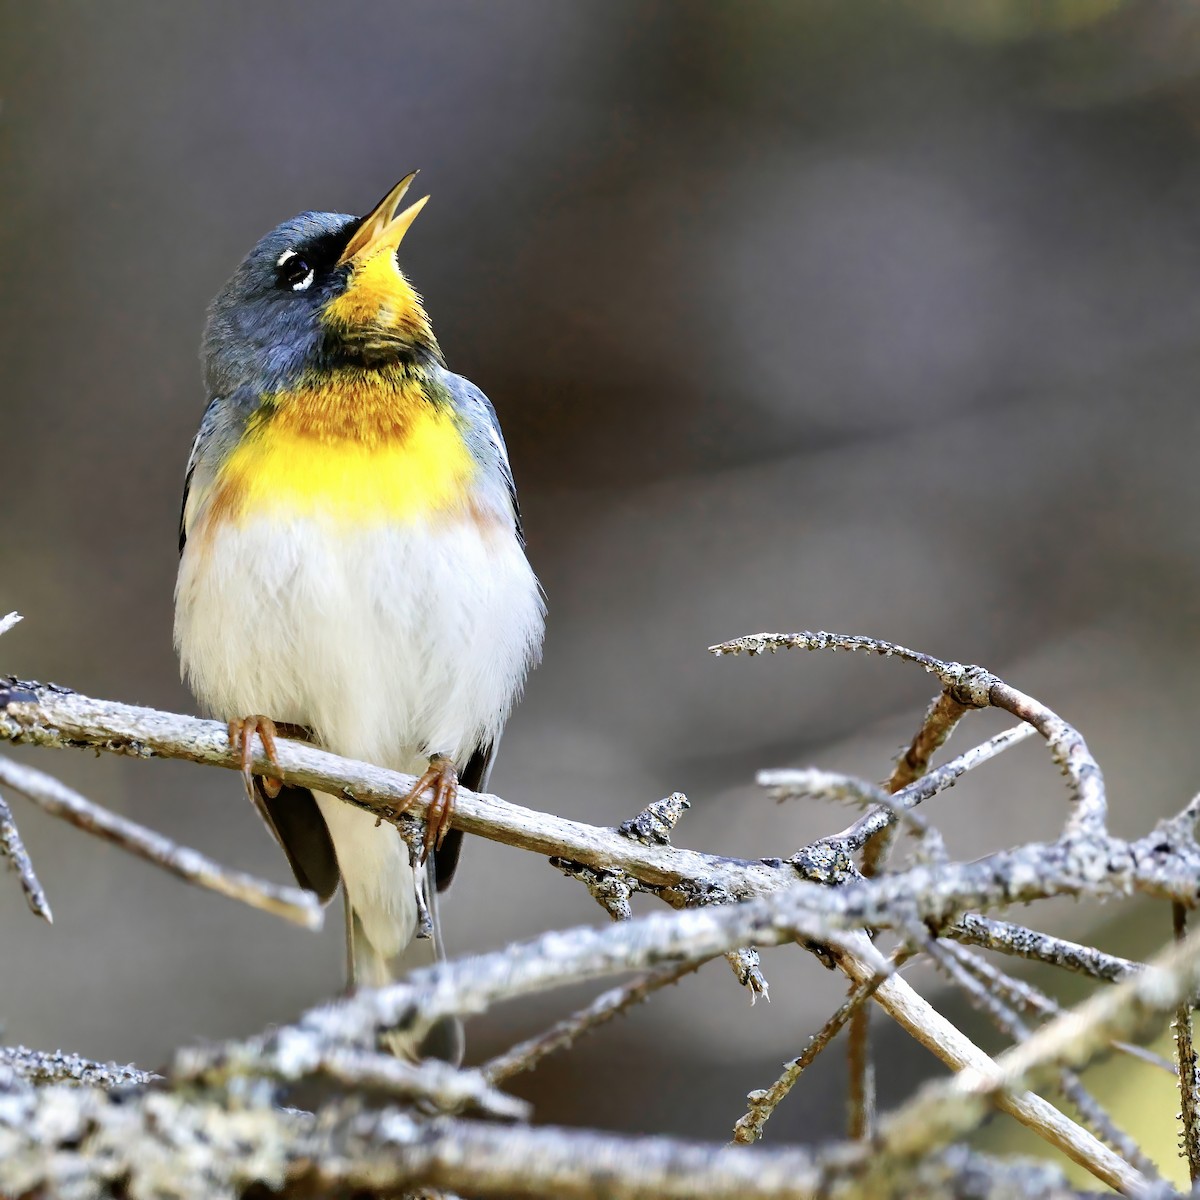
441 778
241 739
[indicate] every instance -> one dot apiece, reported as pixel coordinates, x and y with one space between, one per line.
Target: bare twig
940 719
1032 1000
972 687
913 1013
941 1111
812 782
963 968
613 1003
860 1079
786 784
1185 1052
56 798
943 714
1007 938
13 848
410 1008
432 1082
763 1103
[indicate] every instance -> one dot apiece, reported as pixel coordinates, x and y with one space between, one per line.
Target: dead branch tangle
215 1126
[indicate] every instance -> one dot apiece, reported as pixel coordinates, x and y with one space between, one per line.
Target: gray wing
487 444
484 437
292 816
204 435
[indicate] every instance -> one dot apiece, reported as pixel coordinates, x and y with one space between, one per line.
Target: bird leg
441 778
241 739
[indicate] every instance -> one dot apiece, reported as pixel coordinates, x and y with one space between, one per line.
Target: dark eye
293 271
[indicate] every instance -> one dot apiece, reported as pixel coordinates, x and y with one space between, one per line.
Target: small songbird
352 567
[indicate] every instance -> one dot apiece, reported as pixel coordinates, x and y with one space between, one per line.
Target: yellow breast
359 449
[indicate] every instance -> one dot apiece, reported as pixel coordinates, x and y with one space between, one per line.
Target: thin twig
860 1079
973 687
869 835
763 1103
943 714
528 1054
939 721
1007 938
960 965
432 1082
1029 999
812 782
13 848
913 1013
786 784
942 1111
1185 1051
56 798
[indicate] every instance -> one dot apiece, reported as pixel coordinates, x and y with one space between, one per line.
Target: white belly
391 644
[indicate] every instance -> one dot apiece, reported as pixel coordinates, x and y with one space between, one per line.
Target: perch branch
45 715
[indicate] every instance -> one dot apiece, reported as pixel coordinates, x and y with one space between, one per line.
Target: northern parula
351 559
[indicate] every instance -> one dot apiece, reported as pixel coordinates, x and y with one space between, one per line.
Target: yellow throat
360 447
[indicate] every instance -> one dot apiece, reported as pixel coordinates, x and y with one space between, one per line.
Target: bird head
319 291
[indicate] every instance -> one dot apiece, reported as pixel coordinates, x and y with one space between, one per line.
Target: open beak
384 229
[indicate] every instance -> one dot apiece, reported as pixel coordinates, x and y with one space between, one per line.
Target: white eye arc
298 275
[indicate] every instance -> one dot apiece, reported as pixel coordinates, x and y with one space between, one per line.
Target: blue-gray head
318 290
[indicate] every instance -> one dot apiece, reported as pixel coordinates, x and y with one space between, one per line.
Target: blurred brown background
879 317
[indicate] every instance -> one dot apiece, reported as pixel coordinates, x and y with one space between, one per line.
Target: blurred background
877 317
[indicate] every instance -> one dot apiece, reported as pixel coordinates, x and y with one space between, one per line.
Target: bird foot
441 778
241 739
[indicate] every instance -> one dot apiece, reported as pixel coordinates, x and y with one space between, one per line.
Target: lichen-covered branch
1007 938
214 1127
